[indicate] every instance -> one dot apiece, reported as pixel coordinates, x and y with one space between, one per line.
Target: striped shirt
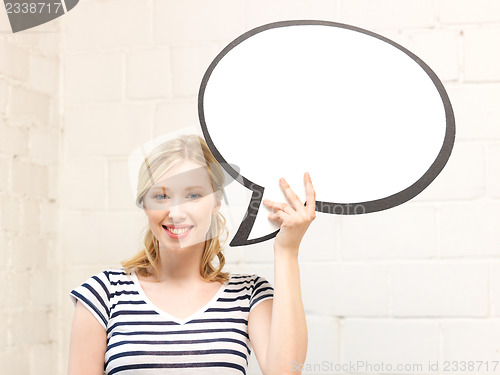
144 340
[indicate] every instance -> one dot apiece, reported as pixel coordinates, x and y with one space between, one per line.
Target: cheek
204 213
154 217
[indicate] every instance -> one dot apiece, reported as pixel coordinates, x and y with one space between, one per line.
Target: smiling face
180 206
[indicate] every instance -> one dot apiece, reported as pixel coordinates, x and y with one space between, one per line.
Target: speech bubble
369 120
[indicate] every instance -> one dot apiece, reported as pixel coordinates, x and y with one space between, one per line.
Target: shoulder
253 280
244 278
257 287
101 286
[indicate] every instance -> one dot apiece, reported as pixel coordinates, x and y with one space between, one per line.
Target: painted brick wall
410 285
30 137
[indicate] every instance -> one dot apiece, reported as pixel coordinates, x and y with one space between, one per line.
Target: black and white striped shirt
142 339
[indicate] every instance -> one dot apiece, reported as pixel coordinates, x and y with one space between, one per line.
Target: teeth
178 231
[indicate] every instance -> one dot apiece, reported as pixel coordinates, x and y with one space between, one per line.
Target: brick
43 359
465 11
44 144
373 341
49 217
53 192
328 248
5 167
439 289
50 44
232 255
14 360
4 255
493 170
13 140
28 106
261 252
44 288
29 178
10 214
495 288
476 111
175 114
149 74
19 291
4 327
388 14
31 327
110 237
403 232
324 339
367 293
84 183
107 130
192 20
469 229
94 77
14 62
31 216
481 58
131 26
120 191
466 159
27 39
261 12
189 64
44 73
439 50
471 340
29 251
4 92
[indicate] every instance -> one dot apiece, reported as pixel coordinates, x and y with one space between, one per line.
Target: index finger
310 194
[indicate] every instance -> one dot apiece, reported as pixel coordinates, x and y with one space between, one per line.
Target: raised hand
294 217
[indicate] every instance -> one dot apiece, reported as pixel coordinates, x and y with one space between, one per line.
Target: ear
218 204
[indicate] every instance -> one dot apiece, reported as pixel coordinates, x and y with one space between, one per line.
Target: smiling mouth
177 232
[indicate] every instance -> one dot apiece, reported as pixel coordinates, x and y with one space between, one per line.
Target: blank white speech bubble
369 120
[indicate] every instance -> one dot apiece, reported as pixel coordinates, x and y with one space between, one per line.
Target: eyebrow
158 187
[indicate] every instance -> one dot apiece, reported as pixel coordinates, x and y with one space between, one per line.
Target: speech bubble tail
241 238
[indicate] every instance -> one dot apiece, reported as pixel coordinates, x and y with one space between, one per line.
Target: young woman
169 310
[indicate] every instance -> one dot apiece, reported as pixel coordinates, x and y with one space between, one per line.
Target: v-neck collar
165 314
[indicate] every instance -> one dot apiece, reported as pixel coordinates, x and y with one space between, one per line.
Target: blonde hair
162 158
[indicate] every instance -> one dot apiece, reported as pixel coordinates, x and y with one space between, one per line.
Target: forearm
288 337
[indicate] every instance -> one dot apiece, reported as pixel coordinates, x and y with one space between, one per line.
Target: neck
181 266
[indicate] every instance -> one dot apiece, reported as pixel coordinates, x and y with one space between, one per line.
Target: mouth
177 232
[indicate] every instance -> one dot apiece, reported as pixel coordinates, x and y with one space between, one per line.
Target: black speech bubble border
241 238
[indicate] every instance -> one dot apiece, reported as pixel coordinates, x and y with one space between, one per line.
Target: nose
176 212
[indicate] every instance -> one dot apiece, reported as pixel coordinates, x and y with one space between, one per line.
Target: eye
160 196
194 196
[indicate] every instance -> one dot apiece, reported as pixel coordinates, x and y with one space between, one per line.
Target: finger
279 206
310 194
294 200
278 216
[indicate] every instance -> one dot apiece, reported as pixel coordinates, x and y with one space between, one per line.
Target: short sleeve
95 296
261 290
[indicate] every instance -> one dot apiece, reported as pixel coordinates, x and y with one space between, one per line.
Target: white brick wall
481 58
29 151
388 14
413 284
149 74
392 341
439 289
